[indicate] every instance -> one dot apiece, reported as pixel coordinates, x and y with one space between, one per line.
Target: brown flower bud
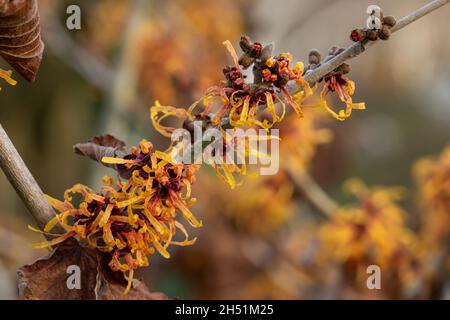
339 51
384 33
246 60
345 68
389 21
335 50
314 57
372 35
245 43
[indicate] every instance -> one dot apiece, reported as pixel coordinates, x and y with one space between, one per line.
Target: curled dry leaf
20 36
46 279
110 286
104 146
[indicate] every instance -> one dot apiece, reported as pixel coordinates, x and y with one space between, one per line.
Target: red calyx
357 35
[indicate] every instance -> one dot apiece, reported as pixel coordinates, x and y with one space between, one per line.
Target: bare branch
23 182
313 192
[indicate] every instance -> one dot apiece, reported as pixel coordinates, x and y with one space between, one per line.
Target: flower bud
389 21
372 35
384 33
245 43
345 68
246 60
335 50
314 57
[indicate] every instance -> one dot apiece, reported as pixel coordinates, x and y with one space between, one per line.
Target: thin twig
23 182
313 192
357 48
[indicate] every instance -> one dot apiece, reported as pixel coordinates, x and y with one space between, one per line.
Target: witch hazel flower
335 82
129 220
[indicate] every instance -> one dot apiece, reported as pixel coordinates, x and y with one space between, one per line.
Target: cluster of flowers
130 219
433 180
235 103
240 104
372 232
237 100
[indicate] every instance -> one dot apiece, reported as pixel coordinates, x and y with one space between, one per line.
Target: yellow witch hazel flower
433 180
241 154
372 231
237 148
130 220
158 113
345 89
240 103
252 211
6 75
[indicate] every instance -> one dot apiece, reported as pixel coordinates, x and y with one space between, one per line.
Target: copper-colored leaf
47 278
101 146
110 286
20 36
104 146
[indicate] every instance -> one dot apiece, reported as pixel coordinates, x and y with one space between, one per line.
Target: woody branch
23 182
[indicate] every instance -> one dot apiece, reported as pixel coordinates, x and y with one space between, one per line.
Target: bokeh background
262 240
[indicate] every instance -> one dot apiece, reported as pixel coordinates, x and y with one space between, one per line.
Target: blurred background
262 240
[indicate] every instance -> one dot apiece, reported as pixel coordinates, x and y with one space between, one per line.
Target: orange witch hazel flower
129 220
335 81
238 101
373 230
433 182
158 181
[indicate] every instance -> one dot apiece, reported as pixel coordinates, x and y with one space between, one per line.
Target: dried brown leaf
104 146
20 36
46 279
110 286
